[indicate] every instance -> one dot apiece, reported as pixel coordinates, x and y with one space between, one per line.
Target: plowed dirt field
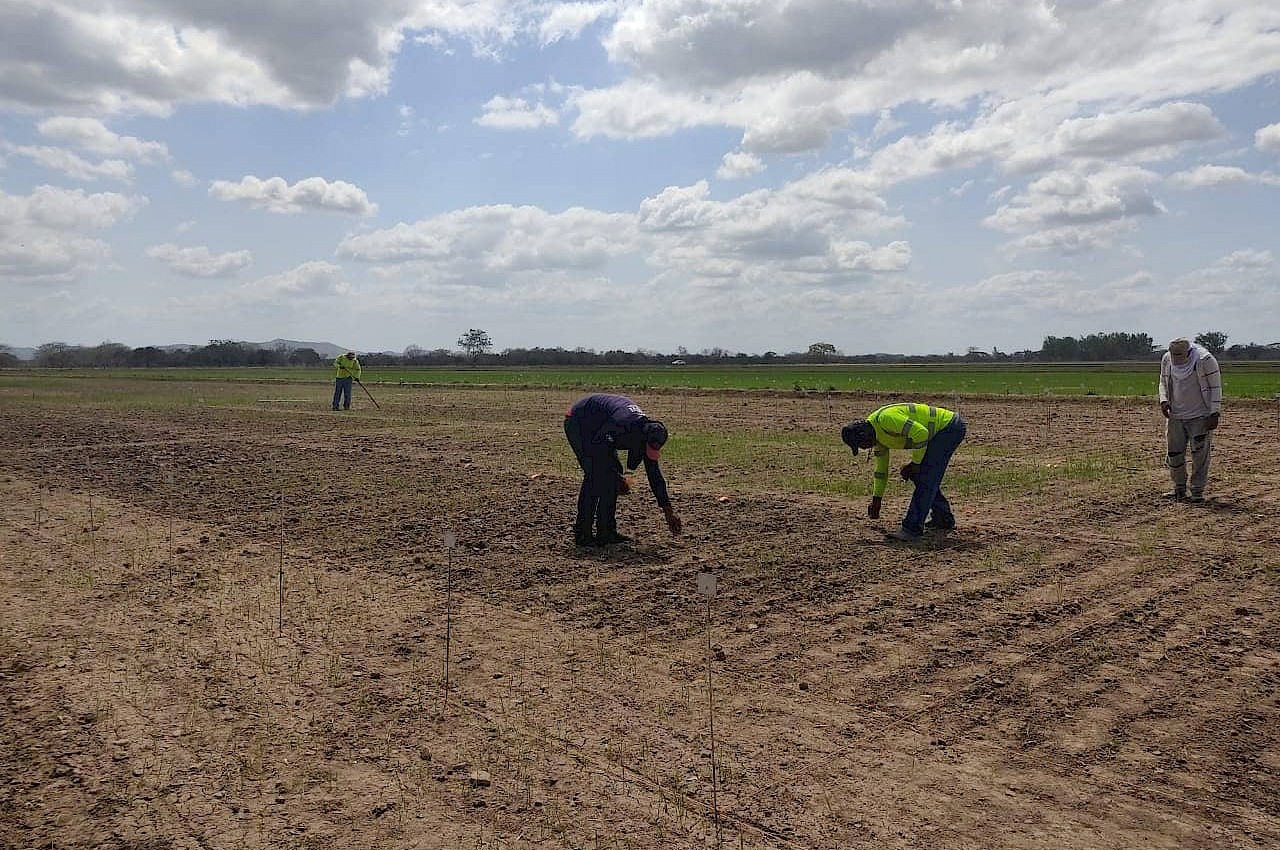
224 612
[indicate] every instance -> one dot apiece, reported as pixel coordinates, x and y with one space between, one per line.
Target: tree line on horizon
474 350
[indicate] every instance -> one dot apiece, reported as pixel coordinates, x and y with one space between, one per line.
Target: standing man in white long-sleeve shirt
1191 399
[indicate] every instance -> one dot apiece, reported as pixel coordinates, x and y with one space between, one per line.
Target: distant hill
324 349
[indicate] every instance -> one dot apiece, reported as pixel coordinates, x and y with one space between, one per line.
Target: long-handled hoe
369 394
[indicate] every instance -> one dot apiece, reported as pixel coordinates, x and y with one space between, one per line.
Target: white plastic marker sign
707 585
450 540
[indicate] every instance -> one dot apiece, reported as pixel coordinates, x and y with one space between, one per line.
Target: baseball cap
655 437
852 434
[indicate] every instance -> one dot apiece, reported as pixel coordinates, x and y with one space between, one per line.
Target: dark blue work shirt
610 422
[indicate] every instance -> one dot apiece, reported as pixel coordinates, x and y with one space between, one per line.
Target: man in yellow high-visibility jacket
932 435
345 368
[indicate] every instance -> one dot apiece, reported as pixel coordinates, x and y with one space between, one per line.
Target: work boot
608 538
1196 498
1176 495
582 536
934 525
901 535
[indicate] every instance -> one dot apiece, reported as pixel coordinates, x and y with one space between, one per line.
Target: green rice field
1241 380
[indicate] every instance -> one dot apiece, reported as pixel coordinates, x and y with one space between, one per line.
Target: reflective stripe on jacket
346 367
904 426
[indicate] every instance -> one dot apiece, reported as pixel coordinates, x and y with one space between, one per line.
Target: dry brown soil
223 624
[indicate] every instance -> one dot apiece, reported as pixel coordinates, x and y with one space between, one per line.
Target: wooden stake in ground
170 479
93 537
707 589
450 540
280 583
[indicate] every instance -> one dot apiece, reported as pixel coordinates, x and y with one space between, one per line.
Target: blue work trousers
928 480
342 392
598 496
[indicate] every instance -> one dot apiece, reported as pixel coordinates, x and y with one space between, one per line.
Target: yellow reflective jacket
346 367
904 426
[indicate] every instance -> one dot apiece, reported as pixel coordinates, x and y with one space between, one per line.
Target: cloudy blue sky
884 175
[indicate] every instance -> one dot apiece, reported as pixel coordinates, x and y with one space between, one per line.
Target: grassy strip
1242 380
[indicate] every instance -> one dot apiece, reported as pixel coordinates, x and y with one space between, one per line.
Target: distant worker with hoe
1191 399
597 427
345 369
932 435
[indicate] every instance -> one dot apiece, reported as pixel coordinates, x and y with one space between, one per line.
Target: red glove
1164 408
873 509
908 471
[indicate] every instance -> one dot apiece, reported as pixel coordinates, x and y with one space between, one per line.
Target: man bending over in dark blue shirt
599 426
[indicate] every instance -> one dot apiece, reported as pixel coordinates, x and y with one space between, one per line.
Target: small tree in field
1215 341
475 342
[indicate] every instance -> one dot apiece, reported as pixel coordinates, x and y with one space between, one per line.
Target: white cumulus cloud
1209 176
312 193
738 164
92 135
1116 135
199 261
1069 211
1248 258
506 113
796 235
68 209
499 239
70 163
568 20
1268 138
789 75
41 236
313 279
